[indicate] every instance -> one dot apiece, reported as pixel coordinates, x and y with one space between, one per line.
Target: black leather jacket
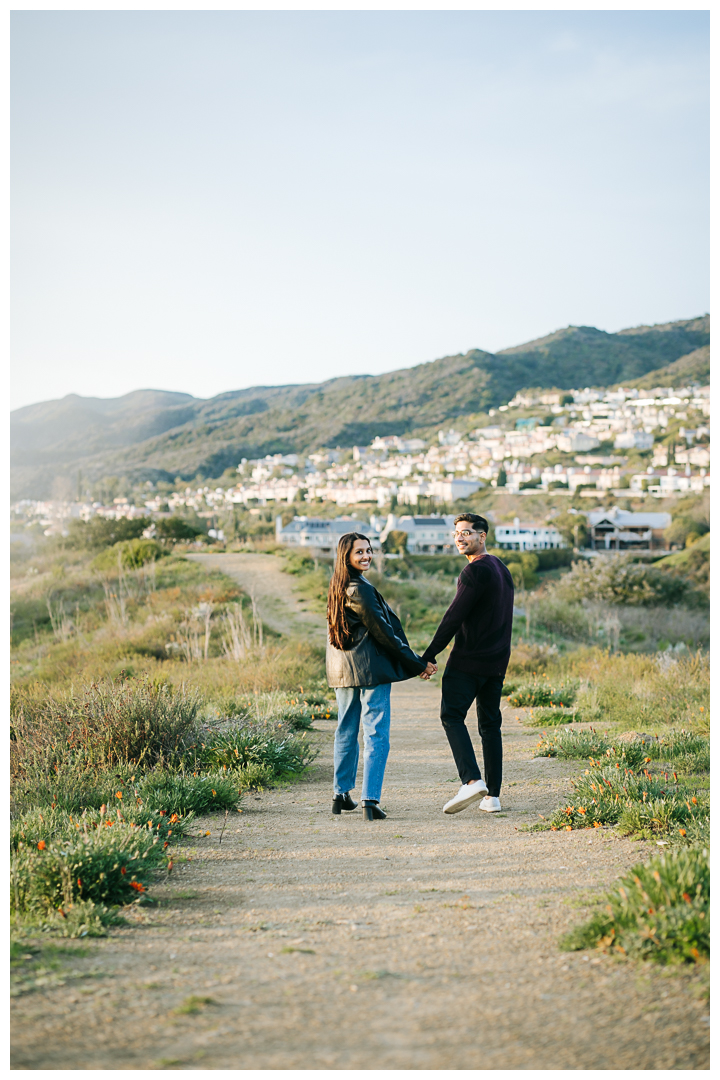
379 652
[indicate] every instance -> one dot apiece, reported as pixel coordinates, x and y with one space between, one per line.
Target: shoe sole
491 809
468 801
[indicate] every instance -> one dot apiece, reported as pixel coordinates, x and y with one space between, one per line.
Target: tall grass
106 724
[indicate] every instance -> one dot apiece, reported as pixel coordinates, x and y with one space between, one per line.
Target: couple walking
368 651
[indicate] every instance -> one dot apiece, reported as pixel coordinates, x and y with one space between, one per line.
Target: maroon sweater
479 618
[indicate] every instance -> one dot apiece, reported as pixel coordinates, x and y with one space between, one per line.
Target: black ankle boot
371 811
342 802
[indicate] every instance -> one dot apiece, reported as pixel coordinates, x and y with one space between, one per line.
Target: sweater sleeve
469 590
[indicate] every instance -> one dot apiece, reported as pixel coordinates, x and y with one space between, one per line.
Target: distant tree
567 399
175 528
104 532
395 542
502 478
573 528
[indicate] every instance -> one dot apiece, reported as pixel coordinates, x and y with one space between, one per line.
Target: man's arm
469 590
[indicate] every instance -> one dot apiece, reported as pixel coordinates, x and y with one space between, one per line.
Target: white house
322 534
450 490
527 536
638 440
573 442
431 535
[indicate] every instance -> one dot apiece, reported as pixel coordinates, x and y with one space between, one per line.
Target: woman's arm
363 602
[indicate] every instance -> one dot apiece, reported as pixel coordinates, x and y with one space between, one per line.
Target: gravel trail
304 941
421 942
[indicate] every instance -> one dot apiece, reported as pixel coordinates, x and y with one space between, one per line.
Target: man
480 619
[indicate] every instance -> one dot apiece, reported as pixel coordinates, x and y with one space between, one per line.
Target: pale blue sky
204 201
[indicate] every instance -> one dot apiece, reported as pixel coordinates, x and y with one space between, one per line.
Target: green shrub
686 750
105 865
182 793
131 554
108 723
552 717
659 911
104 532
57 826
243 746
618 580
590 744
618 795
558 616
68 786
542 692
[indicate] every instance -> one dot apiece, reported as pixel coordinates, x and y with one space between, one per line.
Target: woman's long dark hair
338 628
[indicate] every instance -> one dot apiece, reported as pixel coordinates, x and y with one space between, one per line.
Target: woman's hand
429 670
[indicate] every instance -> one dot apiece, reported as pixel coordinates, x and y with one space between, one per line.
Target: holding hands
429 670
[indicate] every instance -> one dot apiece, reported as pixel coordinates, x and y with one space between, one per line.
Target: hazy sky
203 201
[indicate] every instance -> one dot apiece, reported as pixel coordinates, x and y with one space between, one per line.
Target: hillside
160 435
695 367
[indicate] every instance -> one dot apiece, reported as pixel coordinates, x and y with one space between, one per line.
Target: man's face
467 541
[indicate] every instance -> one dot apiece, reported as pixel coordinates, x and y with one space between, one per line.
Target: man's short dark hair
478 523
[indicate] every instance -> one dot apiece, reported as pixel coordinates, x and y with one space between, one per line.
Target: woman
367 651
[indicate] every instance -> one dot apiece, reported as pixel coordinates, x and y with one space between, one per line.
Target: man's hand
429 670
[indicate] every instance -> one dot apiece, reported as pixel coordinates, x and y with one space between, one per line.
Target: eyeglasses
465 532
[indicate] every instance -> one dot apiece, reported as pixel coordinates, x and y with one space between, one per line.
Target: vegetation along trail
289 938
262 576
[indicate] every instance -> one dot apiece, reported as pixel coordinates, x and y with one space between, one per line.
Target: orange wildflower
41 845
137 886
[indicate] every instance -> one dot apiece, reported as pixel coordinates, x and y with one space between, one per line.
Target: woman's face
361 556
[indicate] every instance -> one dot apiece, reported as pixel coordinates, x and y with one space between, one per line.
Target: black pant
458 691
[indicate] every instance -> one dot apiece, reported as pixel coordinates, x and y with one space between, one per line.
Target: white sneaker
468 793
491 803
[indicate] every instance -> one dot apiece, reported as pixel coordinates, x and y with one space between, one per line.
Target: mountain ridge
151 434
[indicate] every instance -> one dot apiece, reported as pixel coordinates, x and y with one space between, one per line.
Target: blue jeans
370 704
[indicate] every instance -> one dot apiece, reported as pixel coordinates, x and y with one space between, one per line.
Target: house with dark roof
625 530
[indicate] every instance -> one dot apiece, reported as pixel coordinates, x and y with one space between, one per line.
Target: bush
685 749
542 692
105 866
552 717
183 794
589 744
175 528
618 580
132 554
615 794
58 826
246 746
108 723
104 532
557 616
659 911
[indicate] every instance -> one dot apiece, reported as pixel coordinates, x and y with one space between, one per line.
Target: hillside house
528 536
623 530
321 535
431 535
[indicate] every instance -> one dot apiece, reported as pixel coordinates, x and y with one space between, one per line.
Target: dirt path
421 942
262 576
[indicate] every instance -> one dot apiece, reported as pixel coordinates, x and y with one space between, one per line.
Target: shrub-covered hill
158 435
